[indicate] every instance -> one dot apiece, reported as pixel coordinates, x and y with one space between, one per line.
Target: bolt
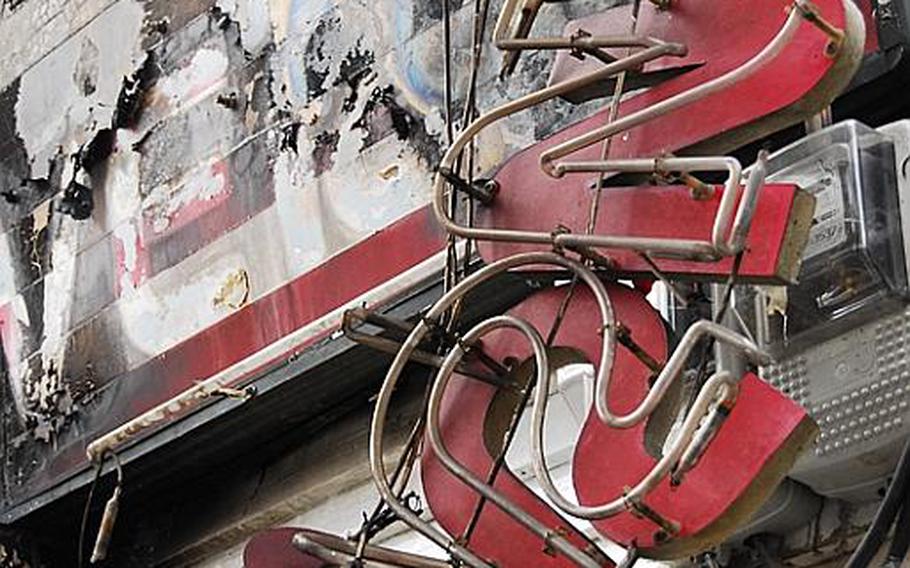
228 100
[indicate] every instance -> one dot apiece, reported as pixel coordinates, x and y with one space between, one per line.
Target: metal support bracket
640 509
483 191
356 317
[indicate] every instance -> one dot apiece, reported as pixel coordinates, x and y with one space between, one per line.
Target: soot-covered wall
165 165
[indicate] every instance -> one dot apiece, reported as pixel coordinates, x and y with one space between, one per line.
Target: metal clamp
642 510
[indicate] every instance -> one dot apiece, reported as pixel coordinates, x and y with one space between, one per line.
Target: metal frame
722 386
720 244
514 38
690 443
267 380
687 447
377 464
653 49
726 239
548 158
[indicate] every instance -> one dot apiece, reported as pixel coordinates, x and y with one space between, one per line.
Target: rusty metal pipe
529 11
377 463
581 42
811 13
340 552
654 50
720 244
371 317
391 347
202 391
770 51
504 23
513 38
719 386
548 534
307 545
160 414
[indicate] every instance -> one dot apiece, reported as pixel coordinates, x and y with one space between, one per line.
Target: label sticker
829 224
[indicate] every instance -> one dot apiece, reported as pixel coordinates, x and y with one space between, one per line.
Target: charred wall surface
165 165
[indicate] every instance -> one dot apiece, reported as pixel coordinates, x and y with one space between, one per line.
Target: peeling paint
170 207
290 137
234 292
316 62
199 79
13 318
355 69
254 20
324 148
12 4
55 112
382 116
150 148
87 68
130 98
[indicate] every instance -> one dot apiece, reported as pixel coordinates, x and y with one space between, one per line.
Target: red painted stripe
340 280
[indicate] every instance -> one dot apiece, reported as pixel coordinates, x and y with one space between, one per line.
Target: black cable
452 254
481 14
701 376
888 510
99 471
447 69
901 543
85 512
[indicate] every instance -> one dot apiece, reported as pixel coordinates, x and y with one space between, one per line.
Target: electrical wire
499 462
701 376
85 513
481 15
878 532
897 553
447 69
83 526
380 516
450 276
611 118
